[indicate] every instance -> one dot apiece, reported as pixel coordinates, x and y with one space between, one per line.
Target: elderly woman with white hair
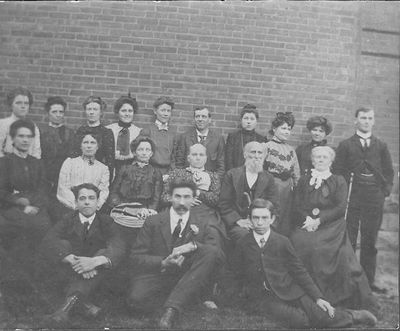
320 238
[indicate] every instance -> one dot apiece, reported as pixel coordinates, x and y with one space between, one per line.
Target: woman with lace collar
281 162
319 128
83 169
124 130
320 238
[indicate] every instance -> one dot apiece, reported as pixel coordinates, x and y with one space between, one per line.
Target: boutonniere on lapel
193 232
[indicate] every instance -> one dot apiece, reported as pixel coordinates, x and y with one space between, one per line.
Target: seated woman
319 128
23 199
124 131
136 191
236 141
321 240
83 169
94 108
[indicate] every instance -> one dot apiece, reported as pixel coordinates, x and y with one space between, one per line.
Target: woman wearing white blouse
83 169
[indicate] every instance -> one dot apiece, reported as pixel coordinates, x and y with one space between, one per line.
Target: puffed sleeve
64 193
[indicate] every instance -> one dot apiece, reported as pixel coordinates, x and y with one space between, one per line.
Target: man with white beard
241 186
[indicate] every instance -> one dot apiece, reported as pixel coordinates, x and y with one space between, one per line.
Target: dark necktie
123 141
202 139
262 242
177 231
85 229
364 143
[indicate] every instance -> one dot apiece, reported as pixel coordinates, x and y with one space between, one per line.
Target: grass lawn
29 310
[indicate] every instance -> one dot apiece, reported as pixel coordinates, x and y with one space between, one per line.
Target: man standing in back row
368 158
202 134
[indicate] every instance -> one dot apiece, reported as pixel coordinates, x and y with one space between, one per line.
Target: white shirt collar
175 217
13 117
202 134
84 219
251 178
191 169
56 125
22 155
364 135
258 237
161 125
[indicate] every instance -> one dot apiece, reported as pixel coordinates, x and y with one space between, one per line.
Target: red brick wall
289 56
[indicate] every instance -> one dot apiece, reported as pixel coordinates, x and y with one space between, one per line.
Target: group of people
177 210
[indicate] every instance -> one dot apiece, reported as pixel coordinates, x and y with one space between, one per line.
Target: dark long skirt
332 263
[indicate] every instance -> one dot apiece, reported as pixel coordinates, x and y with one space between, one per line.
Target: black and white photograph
199 165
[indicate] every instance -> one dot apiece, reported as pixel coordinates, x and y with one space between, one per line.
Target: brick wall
308 58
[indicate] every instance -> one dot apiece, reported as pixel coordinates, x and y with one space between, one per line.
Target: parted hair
123 100
262 203
22 123
135 143
362 110
56 100
95 99
249 108
321 121
182 182
19 91
88 186
163 99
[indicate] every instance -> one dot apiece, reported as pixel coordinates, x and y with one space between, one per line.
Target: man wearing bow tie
80 250
163 136
368 158
174 257
211 139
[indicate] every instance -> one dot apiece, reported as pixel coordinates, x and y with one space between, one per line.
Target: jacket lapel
77 226
260 185
238 181
193 137
357 142
94 227
166 229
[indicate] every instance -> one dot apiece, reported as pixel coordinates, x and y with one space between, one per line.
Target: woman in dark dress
320 238
94 107
319 128
23 199
136 191
237 140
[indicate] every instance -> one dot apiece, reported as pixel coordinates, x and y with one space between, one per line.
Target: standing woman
319 128
237 140
124 131
94 108
281 162
19 101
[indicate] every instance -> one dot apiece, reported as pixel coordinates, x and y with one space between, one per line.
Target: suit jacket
214 144
233 204
235 143
350 157
66 237
153 242
277 264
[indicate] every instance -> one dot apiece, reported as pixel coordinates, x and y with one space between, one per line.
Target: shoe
60 318
363 317
168 318
379 290
90 310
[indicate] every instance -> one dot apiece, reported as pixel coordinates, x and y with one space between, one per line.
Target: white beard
254 166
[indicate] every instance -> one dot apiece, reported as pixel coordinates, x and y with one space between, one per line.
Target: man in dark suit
276 282
174 257
369 160
80 249
241 186
201 133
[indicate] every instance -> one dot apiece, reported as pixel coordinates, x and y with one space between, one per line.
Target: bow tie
162 127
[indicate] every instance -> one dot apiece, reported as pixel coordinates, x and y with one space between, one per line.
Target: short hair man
55 139
368 158
175 254
163 136
201 133
276 281
241 186
80 249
